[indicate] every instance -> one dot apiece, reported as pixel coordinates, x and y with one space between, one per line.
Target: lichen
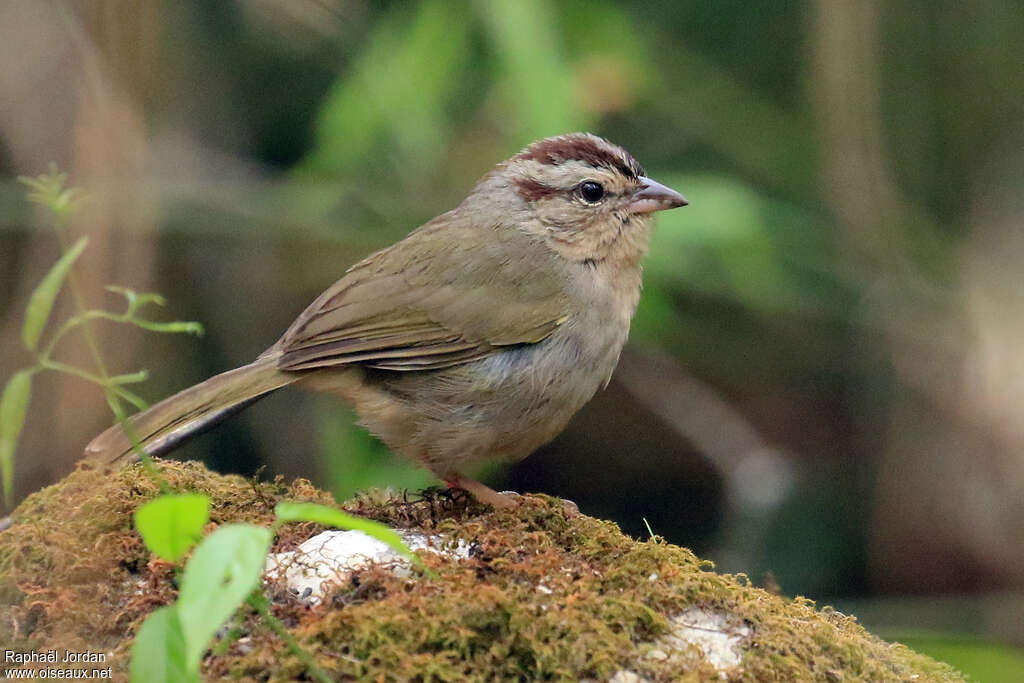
544 595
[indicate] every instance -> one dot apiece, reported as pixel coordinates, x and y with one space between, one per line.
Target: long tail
175 420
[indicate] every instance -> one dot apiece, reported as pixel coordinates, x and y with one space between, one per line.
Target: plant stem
79 301
259 603
77 321
112 391
105 383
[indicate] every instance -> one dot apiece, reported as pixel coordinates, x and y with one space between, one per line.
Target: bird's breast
513 401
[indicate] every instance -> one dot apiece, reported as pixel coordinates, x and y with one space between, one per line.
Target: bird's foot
506 500
482 492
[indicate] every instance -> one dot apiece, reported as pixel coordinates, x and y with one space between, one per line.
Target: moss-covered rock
543 595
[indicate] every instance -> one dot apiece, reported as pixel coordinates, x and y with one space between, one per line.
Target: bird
477 336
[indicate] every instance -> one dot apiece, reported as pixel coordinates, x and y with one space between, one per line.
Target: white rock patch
719 642
695 632
329 559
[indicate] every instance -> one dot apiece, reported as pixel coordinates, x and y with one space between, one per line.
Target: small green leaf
34 184
65 201
127 292
130 378
321 514
13 406
135 300
177 326
170 525
48 189
158 654
41 302
224 569
150 298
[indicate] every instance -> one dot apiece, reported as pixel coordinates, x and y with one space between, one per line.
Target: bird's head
589 199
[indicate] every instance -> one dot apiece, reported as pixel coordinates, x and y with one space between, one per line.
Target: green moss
544 595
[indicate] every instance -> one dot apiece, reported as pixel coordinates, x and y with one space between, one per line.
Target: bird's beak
653 196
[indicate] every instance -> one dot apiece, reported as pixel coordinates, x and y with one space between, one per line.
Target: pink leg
482 493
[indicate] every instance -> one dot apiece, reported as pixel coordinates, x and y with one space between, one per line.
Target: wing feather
449 293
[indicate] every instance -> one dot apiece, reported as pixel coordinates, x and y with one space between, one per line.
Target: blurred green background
824 381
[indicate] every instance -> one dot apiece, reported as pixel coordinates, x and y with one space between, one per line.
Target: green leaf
134 299
41 302
170 525
48 190
224 569
65 201
158 654
288 511
131 297
13 406
398 91
150 298
130 378
538 85
178 326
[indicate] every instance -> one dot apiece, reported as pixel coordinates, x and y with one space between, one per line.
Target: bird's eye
591 192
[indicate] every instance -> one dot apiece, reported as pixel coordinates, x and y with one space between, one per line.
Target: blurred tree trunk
845 93
73 77
944 491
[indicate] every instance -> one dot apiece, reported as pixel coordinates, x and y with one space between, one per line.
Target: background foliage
823 382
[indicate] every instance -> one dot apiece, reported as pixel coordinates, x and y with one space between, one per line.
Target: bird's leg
481 492
500 501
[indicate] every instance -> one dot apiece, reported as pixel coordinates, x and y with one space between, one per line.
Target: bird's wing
448 293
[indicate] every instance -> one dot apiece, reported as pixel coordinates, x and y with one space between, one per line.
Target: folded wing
449 293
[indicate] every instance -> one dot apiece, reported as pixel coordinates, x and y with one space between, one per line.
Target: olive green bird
479 335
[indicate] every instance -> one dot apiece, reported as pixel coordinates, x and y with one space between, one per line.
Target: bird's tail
175 420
